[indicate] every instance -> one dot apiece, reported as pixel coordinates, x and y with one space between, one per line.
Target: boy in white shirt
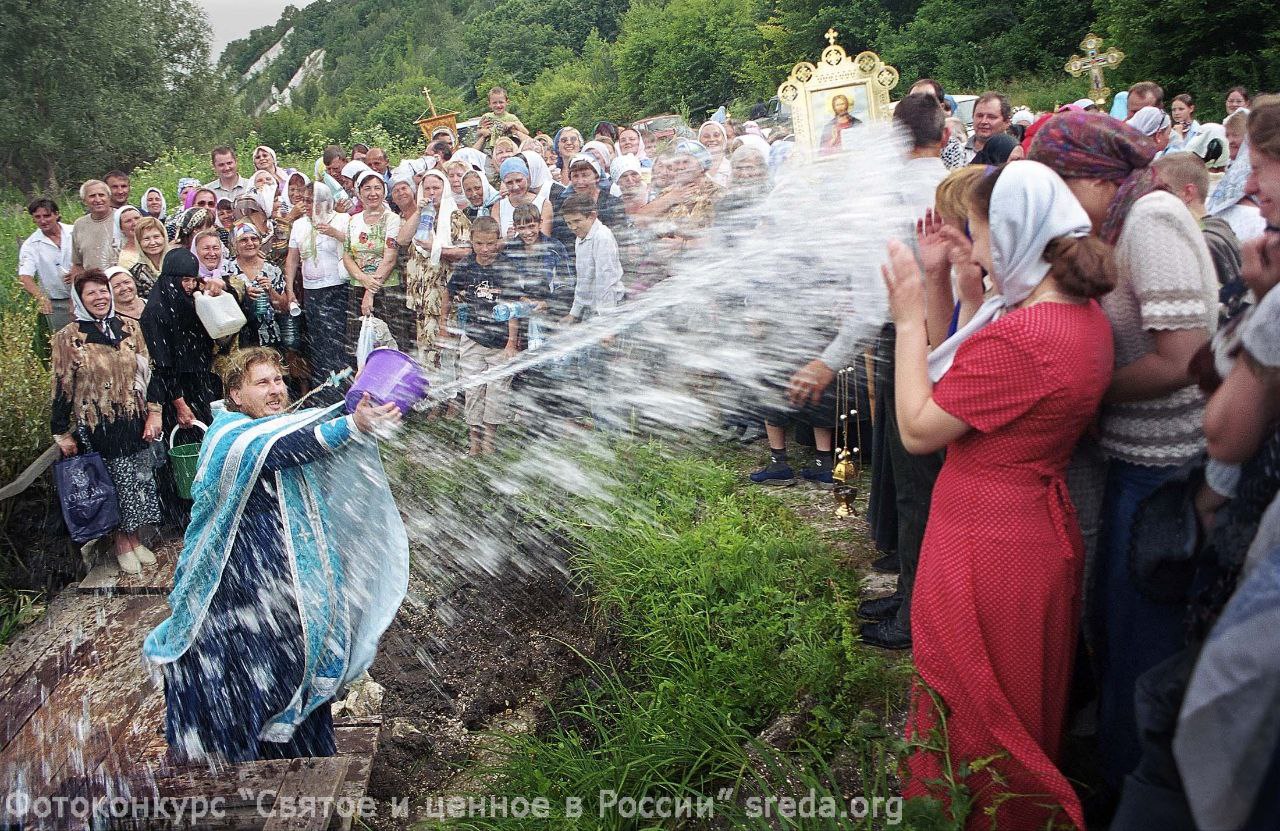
599 287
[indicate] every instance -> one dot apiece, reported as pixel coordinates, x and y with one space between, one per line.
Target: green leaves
100 84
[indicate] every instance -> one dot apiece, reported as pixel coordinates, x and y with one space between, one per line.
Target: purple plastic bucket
389 376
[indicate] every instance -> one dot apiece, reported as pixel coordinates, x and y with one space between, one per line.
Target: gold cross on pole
1094 62
831 36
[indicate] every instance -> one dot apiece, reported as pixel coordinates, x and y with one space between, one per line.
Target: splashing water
770 286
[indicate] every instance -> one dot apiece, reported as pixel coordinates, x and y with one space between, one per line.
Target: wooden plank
107 578
359 744
306 801
67 620
82 718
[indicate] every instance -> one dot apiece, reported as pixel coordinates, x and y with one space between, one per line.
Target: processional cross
1094 62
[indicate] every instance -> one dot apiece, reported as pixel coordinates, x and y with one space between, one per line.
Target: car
777 116
664 127
964 109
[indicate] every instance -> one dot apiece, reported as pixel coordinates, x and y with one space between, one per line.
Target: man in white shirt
229 183
44 260
318 249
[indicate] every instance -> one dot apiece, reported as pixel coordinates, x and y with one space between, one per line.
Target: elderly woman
273 235
516 179
260 286
1163 310
124 292
431 262
481 196
455 169
152 242
370 262
1228 200
102 403
713 136
996 604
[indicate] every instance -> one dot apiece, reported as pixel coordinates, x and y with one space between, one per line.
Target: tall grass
729 613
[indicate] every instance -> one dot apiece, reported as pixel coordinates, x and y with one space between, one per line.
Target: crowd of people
1073 437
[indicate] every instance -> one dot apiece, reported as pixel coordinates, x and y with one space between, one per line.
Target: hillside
576 62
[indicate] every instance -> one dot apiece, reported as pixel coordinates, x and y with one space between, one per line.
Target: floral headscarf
1085 145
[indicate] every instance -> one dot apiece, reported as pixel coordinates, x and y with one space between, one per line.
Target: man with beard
294 564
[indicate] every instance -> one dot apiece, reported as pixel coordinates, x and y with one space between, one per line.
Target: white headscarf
353 171
755 142
442 237
626 163
117 235
164 203
1149 120
472 158
274 170
539 175
1030 207
490 196
82 311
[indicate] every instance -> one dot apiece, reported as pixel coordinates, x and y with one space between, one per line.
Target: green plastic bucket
183 458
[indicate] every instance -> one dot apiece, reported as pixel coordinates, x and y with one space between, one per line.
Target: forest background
93 85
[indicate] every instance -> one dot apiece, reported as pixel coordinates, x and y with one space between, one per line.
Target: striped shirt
1167 282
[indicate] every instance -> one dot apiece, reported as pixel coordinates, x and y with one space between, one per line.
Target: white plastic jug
220 315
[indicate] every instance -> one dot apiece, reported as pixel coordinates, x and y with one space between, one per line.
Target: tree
96 84
1187 47
686 54
973 45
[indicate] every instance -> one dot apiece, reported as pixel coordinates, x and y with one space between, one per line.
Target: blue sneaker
777 475
818 476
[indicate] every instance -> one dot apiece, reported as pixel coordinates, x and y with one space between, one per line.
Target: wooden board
107 578
81 716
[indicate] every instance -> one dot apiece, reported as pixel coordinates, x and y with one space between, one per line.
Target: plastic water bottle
506 311
290 334
426 221
262 307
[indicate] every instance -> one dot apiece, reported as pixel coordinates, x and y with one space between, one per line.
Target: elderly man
992 115
294 564
93 235
43 260
229 183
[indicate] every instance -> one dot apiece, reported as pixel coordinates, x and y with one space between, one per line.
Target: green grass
729 611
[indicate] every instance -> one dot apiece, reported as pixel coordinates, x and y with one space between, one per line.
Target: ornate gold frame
811 86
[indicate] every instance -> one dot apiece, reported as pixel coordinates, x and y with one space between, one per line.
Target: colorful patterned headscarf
1084 145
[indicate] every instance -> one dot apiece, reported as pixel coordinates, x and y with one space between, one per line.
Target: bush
25 389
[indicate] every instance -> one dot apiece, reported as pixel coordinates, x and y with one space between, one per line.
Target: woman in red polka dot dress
997 600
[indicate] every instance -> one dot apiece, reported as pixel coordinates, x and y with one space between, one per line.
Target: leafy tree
685 54
974 45
1188 47
96 84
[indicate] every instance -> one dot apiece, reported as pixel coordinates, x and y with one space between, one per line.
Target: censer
847 469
